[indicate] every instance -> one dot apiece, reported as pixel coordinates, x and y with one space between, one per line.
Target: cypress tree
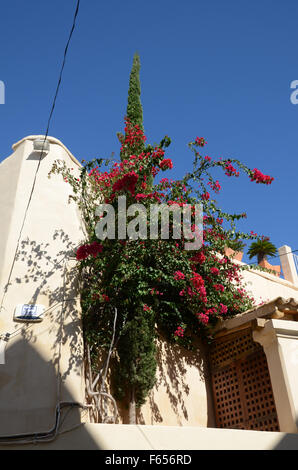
134 111
134 107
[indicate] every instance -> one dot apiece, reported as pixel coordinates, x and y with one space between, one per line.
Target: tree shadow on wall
52 281
31 392
178 372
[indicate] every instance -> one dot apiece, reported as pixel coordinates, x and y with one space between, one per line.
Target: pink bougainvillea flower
178 275
203 317
258 177
200 141
223 308
166 164
205 196
214 271
85 250
179 331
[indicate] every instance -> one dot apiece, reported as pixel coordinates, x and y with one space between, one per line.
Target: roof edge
266 309
52 140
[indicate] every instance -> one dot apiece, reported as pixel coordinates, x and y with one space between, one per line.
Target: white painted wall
265 286
154 438
37 355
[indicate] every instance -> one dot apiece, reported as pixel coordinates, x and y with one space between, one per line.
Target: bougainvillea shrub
155 285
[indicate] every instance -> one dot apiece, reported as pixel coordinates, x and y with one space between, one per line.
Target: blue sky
217 69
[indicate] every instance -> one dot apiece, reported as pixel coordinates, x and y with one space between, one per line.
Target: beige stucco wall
44 273
265 286
182 394
44 361
154 438
38 355
279 338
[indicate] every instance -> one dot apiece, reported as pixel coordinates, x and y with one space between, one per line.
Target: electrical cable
46 436
42 150
62 67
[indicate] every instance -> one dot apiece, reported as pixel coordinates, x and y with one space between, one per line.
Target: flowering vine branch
155 284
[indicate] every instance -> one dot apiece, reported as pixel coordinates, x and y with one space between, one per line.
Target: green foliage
155 285
137 356
134 112
134 107
236 245
261 249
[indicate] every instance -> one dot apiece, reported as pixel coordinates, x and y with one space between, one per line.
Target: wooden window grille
242 390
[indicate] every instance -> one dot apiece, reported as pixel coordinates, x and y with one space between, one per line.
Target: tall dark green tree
134 112
134 106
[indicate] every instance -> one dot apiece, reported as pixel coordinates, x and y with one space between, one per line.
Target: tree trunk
261 257
132 408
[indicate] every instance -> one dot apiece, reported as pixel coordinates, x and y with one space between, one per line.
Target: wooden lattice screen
242 388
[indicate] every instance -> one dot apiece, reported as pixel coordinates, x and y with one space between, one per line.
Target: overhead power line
42 150
62 67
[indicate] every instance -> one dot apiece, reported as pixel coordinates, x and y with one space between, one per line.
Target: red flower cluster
258 177
198 283
211 311
178 275
85 250
214 271
230 170
219 287
179 331
127 182
166 164
156 196
215 186
200 141
134 136
158 154
205 196
199 257
223 308
203 317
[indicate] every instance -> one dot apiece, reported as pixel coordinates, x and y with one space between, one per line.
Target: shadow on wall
288 442
31 392
36 156
52 281
182 393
